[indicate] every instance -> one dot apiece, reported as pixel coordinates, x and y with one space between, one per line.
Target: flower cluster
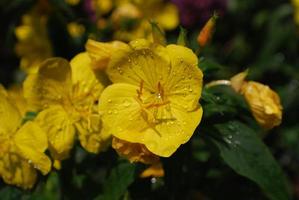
136 94
142 96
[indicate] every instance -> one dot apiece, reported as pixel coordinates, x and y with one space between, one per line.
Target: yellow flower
33 42
75 29
264 104
141 12
22 146
134 152
154 98
68 95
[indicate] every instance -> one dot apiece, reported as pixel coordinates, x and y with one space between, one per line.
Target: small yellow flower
68 95
140 12
22 146
134 152
264 104
33 42
154 98
75 29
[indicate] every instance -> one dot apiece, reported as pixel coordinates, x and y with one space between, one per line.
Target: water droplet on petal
126 103
110 112
109 101
29 161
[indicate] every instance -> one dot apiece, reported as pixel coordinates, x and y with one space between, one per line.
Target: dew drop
29 161
110 112
153 180
109 101
127 103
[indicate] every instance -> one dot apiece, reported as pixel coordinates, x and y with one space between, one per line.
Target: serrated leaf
120 178
246 154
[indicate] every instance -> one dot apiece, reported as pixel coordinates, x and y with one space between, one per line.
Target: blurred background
260 35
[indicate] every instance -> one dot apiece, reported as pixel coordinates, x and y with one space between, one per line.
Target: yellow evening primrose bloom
154 96
33 44
22 146
68 95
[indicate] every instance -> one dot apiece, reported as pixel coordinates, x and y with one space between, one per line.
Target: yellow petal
15 94
184 82
101 52
86 86
126 119
31 142
238 80
264 104
120 110
142 62
168 17
60 130
50 86
17 171
155 170
91 135
134 152
166 137
10 118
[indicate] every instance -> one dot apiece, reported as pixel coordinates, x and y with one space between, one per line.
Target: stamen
160 91
139 92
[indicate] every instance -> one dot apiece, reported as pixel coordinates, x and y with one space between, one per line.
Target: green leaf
9 192
244 152
120 178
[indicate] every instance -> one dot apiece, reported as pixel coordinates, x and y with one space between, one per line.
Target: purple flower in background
194 12
89 8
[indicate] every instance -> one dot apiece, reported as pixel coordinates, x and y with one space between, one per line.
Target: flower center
153 103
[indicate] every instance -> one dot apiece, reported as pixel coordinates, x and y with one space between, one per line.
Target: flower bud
207 31
264 103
